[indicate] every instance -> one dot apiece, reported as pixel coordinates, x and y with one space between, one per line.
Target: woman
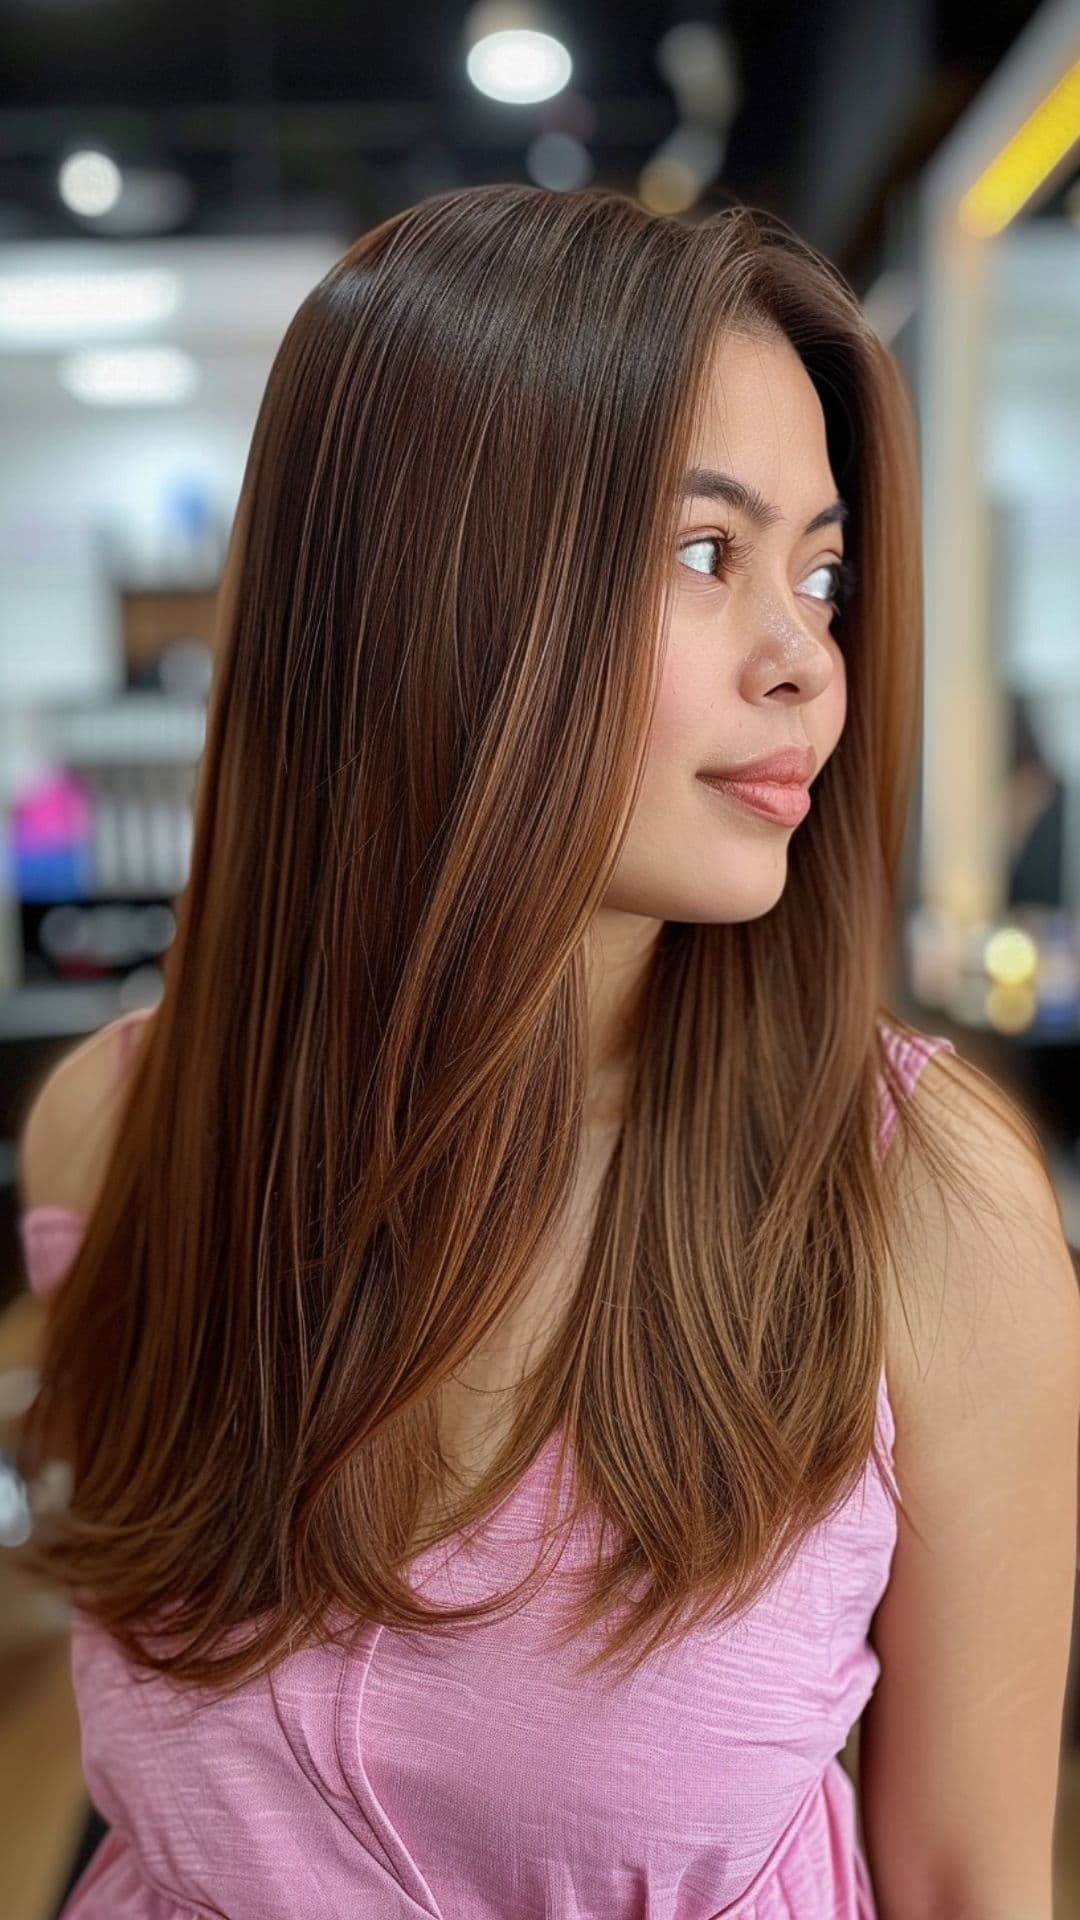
492 1318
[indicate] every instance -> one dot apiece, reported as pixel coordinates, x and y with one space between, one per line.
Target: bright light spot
1010 956
519 66
89 182
130 376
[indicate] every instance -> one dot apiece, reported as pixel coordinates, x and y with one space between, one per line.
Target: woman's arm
959 1747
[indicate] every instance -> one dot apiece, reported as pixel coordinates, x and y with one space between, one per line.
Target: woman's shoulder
981 1248
66 1136
984 1377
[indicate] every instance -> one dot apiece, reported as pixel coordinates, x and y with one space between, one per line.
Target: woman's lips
776 800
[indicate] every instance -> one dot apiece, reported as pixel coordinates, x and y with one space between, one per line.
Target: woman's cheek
679 712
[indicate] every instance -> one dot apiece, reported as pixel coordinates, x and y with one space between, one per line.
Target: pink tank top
478 1778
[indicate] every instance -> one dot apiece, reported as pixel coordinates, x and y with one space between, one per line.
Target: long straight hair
355 1114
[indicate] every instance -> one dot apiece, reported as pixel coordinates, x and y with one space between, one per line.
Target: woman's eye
830 568
698 546
730 557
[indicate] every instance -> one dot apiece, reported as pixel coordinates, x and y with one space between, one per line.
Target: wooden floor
42 1795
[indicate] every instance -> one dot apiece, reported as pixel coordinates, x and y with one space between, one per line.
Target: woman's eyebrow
706 483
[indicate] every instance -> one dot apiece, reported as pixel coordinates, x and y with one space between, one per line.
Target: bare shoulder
987 1284
67 1134
959 1746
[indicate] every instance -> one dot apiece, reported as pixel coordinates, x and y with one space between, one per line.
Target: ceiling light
519 67
514 51
89 182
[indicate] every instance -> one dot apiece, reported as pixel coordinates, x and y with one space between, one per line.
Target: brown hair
355 1113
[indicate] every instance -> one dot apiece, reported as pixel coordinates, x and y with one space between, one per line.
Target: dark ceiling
281 114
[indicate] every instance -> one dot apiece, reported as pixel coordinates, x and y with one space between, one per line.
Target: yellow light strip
1025 161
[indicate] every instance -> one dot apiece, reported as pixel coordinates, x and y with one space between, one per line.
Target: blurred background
173 180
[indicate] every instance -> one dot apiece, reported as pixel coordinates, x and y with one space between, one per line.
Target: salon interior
166 203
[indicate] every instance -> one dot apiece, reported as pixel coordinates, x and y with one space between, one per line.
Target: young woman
511 1275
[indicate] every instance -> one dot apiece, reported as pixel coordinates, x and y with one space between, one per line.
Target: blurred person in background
543 1349
1034 802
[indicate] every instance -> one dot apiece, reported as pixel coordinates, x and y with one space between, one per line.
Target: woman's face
751 664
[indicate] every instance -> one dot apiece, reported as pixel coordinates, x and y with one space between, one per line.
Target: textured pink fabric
478 1778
